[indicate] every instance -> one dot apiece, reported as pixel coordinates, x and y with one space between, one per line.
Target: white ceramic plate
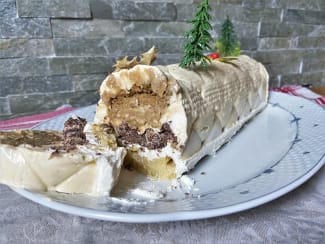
276 152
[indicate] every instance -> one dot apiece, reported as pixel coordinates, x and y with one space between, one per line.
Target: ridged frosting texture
206 106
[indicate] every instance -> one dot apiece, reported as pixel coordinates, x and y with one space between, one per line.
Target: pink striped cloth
30 121
301 91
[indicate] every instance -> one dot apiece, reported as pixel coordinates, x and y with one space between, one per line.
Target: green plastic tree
227 43
198 38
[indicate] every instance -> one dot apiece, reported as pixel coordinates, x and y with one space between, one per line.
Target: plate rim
171 216
177 215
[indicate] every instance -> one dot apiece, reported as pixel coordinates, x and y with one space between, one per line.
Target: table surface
297 217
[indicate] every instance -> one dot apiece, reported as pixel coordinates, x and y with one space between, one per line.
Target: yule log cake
168 117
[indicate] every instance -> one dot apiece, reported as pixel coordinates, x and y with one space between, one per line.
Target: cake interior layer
160 168
150 138
139 110
136 118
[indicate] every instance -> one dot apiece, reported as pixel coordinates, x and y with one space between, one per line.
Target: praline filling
149 138
139 110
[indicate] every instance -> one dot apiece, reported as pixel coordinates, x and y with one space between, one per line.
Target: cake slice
168 117
83 159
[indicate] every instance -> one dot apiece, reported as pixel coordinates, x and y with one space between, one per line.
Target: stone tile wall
54 52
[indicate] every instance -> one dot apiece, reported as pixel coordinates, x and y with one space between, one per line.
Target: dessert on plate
160 120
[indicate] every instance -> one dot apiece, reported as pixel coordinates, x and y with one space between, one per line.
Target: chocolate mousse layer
149 139
73 133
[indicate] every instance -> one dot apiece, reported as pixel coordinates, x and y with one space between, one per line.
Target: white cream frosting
97 177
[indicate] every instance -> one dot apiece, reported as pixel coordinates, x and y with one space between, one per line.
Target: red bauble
213 55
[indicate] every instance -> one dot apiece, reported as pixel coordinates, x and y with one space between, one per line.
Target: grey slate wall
54 52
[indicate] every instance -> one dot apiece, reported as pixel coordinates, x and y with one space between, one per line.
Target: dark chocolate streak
149 139
73 133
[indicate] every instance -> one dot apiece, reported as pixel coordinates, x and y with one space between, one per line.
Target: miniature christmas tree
198 38
227 43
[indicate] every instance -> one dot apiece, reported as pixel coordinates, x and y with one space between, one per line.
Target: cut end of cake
138 97
84 159
140 104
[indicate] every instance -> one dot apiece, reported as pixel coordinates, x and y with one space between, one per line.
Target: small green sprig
227 43
198 38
